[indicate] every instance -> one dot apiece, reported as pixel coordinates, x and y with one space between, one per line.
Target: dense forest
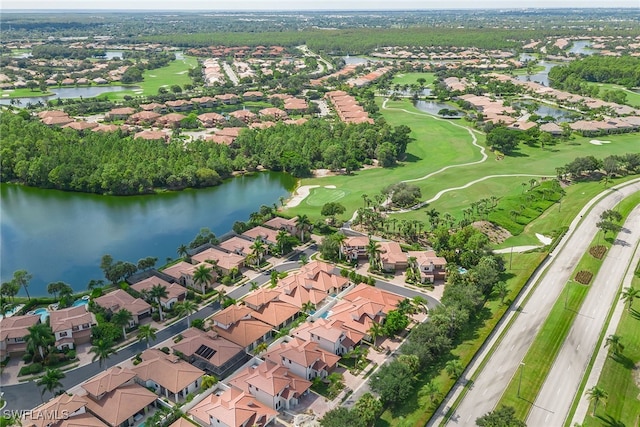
112 163
624 70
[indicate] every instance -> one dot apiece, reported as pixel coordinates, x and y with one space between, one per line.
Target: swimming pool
43 313
80 302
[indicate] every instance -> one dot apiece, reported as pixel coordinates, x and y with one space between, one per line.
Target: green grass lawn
23 93
633 98
411 78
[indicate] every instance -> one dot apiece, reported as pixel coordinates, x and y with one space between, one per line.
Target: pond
544 110
67 92
581 47
433 107
61 236
424 92
541 77
357 60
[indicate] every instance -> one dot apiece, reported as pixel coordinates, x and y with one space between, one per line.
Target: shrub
165 350
155 316
178 338
136 362
27 357
190 295
189 397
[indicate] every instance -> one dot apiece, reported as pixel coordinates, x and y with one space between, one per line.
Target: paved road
554 401
503 364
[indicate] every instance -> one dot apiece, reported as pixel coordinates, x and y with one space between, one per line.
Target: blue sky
311 4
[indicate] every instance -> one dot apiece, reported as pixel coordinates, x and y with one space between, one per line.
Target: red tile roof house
232 408
392 257
211 120
204 102
120 113
235 324
237 245
273 112
389 300
265 234
72 326
330 335
169 375
319 275
182 272
120 299
180 105
155 107
116 399
152 135
245 116
175 292
355 247
171 120
279 223
359 315
12 332
276 314
303 358
63 411
432 267
210 352
81 125
225 261
297 294
143 118
57 120
228 98
272 384
252 96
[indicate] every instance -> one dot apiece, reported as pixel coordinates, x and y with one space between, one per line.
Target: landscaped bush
34 368
155 316
165 350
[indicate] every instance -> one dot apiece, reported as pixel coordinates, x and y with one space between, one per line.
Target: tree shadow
517 154
411 158
608 420
634 313
623 360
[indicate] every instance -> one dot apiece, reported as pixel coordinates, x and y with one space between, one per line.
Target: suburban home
265 234
298 295
389 300
235 324
57 120
330 335
120 113
12 332
277 314
210 120
155 107
260 297
151 135
182 272
116 399
175 292
317 275
238 245
66 410
221 259
271 384
143 118
303 358
121 300
169 375
244 116
392 257
232 408
81 125
275 113
354 247
110 128
252 96
72 326
228 98
279 223
431 266
295 105
204 102
552 128
180 105
210 352
171 120
359 314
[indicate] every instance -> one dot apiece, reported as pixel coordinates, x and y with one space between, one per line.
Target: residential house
109 380
354 247
72 326
275 113
210 120
120 113
265 234
392 257
81 125
235 324
389 300
295 105
143 118
244 116
210 352
180 105
175 292
252 96
228 98
12 332
155 107
271 384
204 102
238 244
359 314
432 267
232 408
319 275
260 297
303 358
121 300
183 272
169 375
279 223
151 135
297 294
66 410
223 260
330 335
552 128
171 120
277 314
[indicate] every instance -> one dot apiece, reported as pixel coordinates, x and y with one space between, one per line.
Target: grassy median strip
524 387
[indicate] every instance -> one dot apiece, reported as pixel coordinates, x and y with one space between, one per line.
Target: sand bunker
544 239
598 142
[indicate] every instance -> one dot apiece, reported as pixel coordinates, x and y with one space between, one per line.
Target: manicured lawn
411 78
633 98
23 92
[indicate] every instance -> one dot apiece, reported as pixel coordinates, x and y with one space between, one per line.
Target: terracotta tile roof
122 403
237 244
58 408
275 313
328 329
389 300
107 128
279 222
359 314
297 294
266 234
120 299
234 408
16 326
67 318
392 253
231 315
356 241
151 134
261 296
243 115
257 94
231 131
124 111
169 371
428 257
274 112
108 380
144 116
244 332
193 339
82 420
270 378
225 260
174 290
303 353
57 120
81 125
182 422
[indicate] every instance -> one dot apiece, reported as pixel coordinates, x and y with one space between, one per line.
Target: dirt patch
584 277
597 251
495 233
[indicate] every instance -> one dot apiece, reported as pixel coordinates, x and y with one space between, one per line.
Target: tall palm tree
50 382
101 351
122 318
147 333
596 395
221 296
39 338
339 238
259 250
308 307
157 292
373 251
22 279
628 295
376 330
614 344
187 308
203 276
302 223
281 240
454 368
182 251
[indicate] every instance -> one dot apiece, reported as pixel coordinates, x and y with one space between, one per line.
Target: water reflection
434 107
67 92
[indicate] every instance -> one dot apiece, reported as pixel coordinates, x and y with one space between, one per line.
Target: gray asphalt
501 367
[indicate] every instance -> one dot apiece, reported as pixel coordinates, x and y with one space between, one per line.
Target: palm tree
614 344
373 251
208 381
431 389
454 368
22 279
281 240
157 292
202 276
183 251
50 382
39 338
502 290
376 330
147 333
101 351
263 346
122 318
339 238
258 249
596 395
308 307
628 295
302 222
187 308
221 296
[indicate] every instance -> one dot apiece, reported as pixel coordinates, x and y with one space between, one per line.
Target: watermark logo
37 414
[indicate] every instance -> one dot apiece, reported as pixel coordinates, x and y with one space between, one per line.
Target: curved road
500 368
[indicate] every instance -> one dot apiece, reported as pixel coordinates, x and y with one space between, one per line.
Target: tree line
623 70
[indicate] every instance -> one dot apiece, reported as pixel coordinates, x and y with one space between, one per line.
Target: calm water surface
67 92
59 235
